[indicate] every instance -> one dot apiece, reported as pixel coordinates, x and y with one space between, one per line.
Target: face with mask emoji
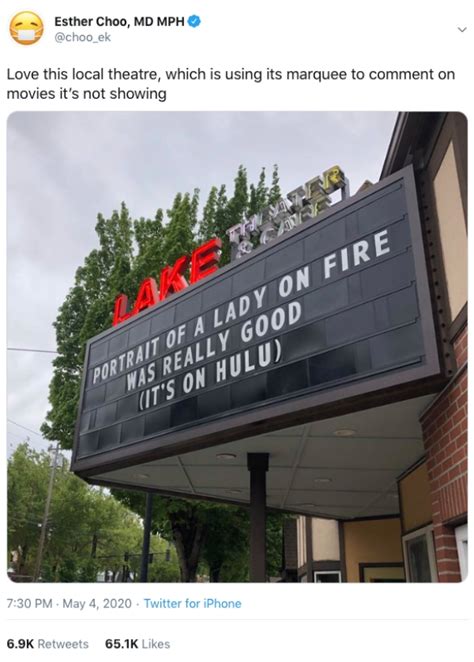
26 28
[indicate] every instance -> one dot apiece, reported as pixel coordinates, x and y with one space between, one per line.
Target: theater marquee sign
332 313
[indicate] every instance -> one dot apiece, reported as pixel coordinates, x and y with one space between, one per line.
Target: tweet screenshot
234 366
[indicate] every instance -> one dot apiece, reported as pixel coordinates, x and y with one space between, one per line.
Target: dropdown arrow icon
462 29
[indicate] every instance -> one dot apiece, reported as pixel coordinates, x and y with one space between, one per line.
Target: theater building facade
322 374
425 538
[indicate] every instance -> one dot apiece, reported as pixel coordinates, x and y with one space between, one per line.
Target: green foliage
28 473
150 237
178 520
179 235
275 543
237 210
68 570
88 530
207 228
227 544
258 195
88 571
86 311
275 192
164 571
221 223
226 551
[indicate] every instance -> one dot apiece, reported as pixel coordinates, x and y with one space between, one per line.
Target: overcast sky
64 168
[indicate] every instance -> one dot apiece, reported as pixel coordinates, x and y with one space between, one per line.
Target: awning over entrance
341 467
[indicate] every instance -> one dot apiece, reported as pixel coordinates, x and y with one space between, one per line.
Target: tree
258 195
179 233
227 543
86 311
104 531
207 228
149 237
65 384
237 209
183 522
275 523
275 192
221 222
26 498
261 191
164 572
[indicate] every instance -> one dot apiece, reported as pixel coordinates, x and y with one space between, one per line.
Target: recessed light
344 432
234 491
323 480
142 475
306 505
226 456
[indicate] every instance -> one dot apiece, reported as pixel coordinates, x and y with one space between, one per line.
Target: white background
356 622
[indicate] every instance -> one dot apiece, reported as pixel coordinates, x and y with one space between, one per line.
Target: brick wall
444 428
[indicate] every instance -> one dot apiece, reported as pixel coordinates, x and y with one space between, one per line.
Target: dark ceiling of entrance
342 468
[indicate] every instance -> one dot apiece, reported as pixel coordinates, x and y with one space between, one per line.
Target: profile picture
26 28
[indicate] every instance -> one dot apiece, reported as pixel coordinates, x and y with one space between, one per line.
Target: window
461 543
446 171
418 549
452 229
327 577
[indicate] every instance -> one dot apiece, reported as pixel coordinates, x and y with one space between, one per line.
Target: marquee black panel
336 308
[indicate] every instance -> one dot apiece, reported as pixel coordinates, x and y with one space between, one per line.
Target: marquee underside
342 468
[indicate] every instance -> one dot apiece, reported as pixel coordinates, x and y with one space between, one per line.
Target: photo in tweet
245 352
